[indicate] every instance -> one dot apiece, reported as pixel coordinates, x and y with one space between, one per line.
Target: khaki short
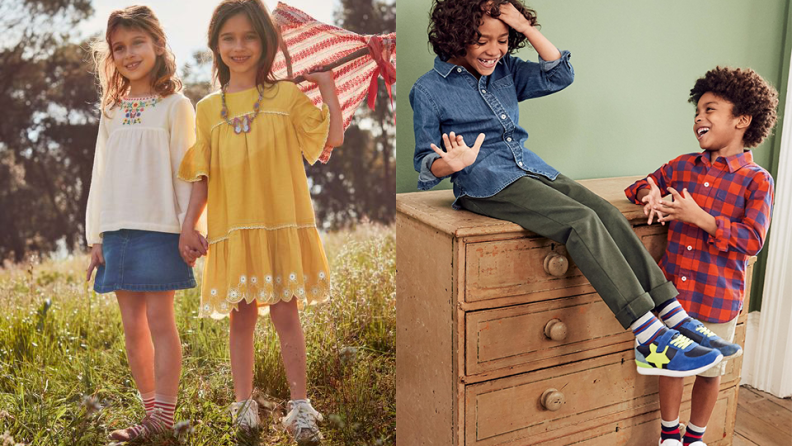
726 332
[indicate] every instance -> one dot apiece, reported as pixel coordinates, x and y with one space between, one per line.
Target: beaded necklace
241 124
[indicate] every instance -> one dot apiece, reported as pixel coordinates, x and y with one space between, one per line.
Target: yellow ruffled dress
263 241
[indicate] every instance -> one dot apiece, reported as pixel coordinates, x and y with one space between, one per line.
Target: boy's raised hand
652 200
457 154
684 208
513 18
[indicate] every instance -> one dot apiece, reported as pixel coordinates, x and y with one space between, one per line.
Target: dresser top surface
434 209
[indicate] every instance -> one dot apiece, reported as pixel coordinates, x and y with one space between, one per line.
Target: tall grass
64 377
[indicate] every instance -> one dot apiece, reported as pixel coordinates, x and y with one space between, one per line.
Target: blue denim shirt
451 99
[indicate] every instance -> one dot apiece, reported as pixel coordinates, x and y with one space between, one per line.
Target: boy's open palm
457 154
652 200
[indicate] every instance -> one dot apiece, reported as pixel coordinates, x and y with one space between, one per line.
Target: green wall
635 62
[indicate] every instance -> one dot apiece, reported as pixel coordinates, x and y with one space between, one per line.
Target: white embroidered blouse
139 148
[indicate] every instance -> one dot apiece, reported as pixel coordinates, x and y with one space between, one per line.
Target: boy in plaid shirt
719 217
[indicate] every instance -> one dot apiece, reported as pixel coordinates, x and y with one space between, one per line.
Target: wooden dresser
502 341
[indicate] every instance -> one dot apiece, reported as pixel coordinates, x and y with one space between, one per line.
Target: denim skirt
142 261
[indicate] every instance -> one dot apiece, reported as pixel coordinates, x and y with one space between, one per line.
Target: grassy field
64 378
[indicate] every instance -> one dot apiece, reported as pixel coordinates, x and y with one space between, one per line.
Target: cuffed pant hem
662 293
634 309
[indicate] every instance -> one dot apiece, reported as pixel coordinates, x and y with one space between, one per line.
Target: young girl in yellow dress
264 250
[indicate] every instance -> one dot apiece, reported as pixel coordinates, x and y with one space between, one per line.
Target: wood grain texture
424 348
763 419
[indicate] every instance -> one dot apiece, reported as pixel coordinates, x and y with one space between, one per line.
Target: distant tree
48 128
359 181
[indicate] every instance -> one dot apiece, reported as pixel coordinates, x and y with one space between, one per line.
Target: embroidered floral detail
134 108
273 289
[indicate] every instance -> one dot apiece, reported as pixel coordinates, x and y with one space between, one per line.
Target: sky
186 22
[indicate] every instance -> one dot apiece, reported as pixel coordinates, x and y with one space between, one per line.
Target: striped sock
165 406
146 429
671 313
693 434
670 429
148 401
646 328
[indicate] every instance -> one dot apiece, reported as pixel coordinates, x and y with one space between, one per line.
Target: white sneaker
698 443
245 414
301 423
670 442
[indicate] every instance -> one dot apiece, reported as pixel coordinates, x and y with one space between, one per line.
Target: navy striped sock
693 434
670 429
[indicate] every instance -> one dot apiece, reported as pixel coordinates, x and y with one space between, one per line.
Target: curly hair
750 94
454 24
112 84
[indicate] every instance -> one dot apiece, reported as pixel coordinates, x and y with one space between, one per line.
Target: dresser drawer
511 267
504 268
519 338
510 411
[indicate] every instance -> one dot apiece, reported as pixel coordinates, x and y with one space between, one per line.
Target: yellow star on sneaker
658 359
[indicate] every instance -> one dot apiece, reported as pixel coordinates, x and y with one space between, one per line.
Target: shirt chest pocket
728 205
504 82
503 89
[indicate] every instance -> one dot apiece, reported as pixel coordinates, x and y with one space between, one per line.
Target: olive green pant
597 236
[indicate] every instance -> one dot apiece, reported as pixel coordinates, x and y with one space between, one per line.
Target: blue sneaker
695 330
672 354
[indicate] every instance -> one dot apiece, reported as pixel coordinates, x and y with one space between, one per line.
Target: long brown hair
266 29
113 85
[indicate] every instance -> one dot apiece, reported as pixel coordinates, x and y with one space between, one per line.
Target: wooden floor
762 419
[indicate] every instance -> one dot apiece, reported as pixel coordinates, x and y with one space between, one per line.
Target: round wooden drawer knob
556 330
556 264
552 399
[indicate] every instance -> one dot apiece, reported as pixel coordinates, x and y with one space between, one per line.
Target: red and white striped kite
357 61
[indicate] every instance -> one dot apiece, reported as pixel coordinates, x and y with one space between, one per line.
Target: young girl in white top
136 205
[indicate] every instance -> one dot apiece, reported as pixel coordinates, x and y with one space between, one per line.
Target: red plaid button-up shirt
709 271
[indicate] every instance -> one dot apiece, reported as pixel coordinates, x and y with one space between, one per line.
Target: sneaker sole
677 374
736 355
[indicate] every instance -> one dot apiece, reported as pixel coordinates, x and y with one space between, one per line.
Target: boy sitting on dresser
718 219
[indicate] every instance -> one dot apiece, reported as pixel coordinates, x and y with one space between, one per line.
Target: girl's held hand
318 77
457 154
192 245
652 200
96 259
514 19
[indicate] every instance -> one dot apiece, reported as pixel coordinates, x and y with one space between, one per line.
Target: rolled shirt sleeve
747 234
537 79
426 127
